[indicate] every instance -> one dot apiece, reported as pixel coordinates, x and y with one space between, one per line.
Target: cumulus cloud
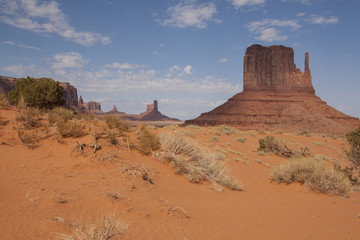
316 19
223 60
240 3
190 14
20 45
267 29
69 60
124 65
188 69
20 70
45 17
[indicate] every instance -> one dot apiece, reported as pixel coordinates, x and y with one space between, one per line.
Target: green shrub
118 123
353 139
241 139
314 174
188 158
70 129
147 141
40 93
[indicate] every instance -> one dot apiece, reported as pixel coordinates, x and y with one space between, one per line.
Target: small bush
102 228
147 141
227 130
27 137
30 117
262 132
193 127
3 100
353 139
241 139
118 123
60 113
195 162
190 134
214 139
314 174
112 136
270 144
70 129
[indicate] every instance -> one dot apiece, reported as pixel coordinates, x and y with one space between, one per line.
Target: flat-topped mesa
273 69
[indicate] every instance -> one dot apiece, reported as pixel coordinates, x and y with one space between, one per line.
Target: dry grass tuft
279 147
147 141
3 100
187 157
58 113
103 228
314 174
227 130
30 117
70 129
118 123
28 138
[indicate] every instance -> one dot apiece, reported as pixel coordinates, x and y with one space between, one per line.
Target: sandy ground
43 191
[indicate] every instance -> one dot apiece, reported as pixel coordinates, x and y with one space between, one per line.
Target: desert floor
45 190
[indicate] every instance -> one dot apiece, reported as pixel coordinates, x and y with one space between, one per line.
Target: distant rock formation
152 114
277 95
69 96
90 106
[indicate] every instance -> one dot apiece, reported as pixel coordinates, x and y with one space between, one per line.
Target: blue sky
187 54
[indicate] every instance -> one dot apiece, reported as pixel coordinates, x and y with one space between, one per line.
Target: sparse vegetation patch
314 174
187 157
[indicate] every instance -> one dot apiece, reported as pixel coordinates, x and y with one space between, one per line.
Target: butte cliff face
277 95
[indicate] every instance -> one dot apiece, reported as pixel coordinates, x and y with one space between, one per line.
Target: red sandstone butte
277 95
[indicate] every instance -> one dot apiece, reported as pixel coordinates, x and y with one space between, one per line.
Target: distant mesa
70 97
277 95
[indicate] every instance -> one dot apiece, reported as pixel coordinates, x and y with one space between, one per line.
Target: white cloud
69 60
45 17
315 19
189 14
223 60
266 30
240 3
20 45
20 70
188 69
124 65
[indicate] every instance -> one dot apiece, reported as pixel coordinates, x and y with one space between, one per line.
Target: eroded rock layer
277 95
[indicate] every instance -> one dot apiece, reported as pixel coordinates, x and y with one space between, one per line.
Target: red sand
44 190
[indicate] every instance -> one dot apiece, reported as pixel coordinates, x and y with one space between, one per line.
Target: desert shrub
40 93
27 137
118 123
227 130
262 132
241 139
147 141
214 139
3 100
270 144
102 228
30 117
70 129
188 158
112 136
190 134
193 127
314 174
353 139
58 113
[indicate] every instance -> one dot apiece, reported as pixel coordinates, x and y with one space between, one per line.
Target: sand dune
43 191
